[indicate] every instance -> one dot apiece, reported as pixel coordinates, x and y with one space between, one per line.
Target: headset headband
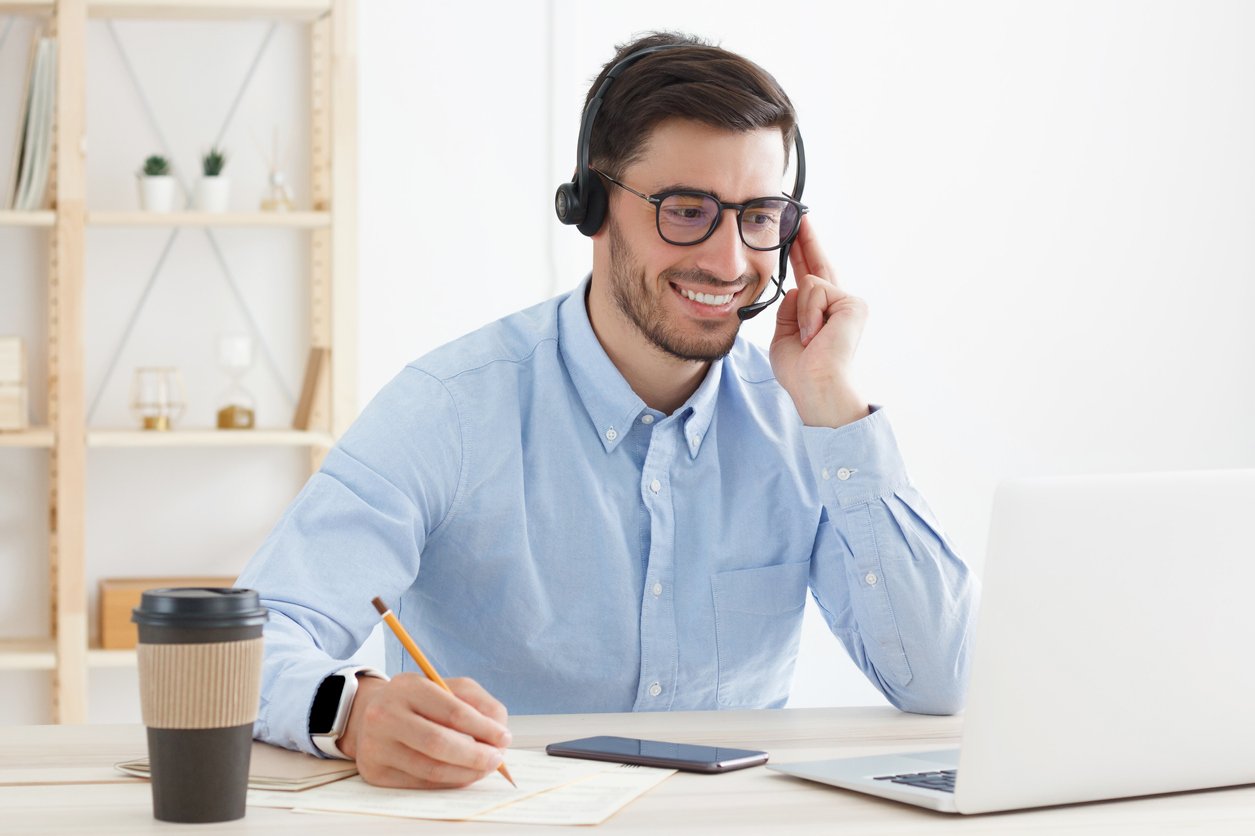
582 202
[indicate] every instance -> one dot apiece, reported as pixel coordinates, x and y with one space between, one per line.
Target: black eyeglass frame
657 199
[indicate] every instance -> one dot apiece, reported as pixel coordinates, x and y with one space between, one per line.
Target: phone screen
685 756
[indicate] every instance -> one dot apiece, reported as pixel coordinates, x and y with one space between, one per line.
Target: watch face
322 715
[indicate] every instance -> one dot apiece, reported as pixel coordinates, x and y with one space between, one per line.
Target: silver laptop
1114 654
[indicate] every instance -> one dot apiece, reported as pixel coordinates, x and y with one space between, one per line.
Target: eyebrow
685 187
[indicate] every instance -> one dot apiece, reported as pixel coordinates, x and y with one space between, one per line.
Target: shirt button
647 419
871 579
844 473
655 689
655 486
611 434
697 439
657 589
825 473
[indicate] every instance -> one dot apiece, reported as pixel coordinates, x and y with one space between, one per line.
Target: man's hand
818 327
409 732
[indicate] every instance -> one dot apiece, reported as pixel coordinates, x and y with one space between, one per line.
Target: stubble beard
705 341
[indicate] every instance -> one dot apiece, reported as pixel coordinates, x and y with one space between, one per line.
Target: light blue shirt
537 527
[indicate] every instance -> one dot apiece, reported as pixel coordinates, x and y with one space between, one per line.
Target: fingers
468 690
817 284
414 770
786 316
814 298
452 713
807 255
820 301
416 734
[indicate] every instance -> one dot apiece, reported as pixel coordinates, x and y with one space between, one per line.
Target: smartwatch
329 713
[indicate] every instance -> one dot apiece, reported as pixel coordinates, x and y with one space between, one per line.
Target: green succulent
156 166
213 162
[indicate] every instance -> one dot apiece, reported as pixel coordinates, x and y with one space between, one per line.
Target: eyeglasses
686 217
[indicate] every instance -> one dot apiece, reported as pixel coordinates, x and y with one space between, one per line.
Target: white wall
1048 207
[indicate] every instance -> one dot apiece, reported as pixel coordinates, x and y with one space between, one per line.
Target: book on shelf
13 396
12 360
316 371
14 410
33 157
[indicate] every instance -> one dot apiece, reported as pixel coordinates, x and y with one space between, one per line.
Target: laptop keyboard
942 780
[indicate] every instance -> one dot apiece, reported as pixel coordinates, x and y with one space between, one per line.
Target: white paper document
589 800
550 791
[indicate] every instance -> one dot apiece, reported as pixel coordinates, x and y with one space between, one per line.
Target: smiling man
611 502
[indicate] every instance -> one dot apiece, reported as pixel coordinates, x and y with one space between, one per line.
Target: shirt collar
701 408
608 399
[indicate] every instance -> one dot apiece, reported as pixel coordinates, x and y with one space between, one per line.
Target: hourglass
238 409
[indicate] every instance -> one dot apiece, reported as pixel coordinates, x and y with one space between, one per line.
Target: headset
582 202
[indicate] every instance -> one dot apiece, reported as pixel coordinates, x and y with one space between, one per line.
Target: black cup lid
198 606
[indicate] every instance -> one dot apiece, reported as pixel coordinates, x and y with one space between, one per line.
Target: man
608 502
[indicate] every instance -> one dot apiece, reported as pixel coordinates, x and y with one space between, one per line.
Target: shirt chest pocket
758 621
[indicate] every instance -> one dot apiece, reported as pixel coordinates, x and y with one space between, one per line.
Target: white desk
748 801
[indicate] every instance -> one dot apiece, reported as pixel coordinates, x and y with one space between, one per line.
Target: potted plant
156 186
213 189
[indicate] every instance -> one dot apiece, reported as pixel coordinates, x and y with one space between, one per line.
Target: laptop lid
1115 650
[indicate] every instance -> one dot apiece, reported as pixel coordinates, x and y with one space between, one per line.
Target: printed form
551 791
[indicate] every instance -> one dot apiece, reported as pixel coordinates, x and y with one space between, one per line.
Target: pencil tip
506 773
379 605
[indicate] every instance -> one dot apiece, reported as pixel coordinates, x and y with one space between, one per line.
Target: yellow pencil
417 656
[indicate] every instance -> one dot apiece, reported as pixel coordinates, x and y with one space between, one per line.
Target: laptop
1114 650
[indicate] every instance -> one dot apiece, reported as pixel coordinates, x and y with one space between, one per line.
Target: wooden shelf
282 220
208 438
285 220
28 654
10 218
33 437
209 9
40 7
99 658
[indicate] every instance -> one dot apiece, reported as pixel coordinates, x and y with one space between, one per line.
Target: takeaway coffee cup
200 683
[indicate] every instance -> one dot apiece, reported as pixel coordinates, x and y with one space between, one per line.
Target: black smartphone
684 756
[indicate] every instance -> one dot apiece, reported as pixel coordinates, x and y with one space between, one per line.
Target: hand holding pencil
412 732
417 655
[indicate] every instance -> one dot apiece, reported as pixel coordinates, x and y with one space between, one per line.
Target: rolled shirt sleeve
887 579
355 531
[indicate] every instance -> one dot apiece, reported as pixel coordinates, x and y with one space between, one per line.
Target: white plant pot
212 194
156 194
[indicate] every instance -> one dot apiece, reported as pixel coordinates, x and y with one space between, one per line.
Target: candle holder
157 397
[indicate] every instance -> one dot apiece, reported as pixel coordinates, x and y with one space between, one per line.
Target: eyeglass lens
766 223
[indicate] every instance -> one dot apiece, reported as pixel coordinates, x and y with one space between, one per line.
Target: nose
723 253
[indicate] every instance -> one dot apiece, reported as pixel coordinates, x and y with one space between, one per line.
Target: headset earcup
566 203
594 205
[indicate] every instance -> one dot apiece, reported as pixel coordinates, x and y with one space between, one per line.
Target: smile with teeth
706 298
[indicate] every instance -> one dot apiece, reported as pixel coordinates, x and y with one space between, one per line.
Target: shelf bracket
228 277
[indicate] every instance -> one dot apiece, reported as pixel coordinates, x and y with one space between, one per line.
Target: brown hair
695 81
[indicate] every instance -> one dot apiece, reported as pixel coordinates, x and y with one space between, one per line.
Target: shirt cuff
856 463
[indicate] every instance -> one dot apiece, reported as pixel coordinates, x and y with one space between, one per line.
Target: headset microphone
751 311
